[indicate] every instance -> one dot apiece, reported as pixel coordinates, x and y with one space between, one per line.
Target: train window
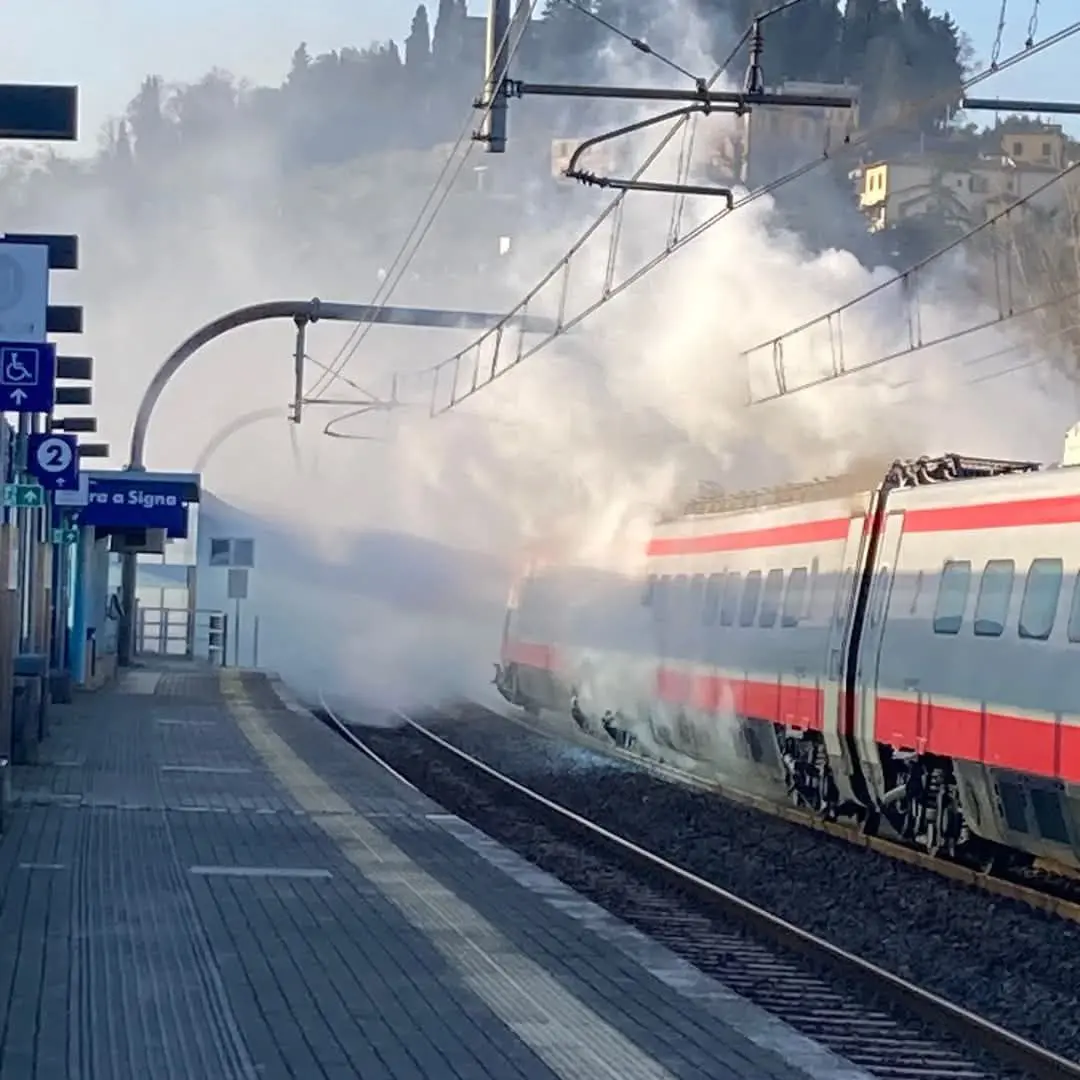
677 597
729 605
1041 592
917 593
793 598
877 598
748 604
711 606
842 598
662 598
995 590
696 598
648 591
1074 612
952 596
770 598
813 591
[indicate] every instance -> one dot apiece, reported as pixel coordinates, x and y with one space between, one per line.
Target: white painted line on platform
260 871
214 770
574 1041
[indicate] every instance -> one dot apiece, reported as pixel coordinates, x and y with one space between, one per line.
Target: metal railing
202 634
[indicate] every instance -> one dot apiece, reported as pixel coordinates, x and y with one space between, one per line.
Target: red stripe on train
806 532
1063 510
1026 513
1040 747
1044 747
801 706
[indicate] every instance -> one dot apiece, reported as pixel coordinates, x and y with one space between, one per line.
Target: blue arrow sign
54 460
27 376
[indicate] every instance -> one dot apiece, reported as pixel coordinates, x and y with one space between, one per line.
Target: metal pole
312 311
129 571
1016 105
236 636
22 518
298 370
255 643
192 591
493 128
689 95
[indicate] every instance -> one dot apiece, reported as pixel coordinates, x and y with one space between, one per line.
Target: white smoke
579 447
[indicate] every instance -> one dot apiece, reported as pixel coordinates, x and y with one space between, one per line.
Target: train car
897 653
751 603
573 639
966 680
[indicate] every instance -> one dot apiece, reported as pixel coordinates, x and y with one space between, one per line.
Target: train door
835 714
799 705
868 661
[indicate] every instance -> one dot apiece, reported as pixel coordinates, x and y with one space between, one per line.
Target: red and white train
908 656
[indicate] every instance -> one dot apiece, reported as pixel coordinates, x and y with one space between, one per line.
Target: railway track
1041 887
886 1025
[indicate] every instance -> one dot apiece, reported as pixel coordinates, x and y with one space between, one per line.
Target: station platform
200 881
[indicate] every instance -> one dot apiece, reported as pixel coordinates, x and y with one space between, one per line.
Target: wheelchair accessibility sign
27 376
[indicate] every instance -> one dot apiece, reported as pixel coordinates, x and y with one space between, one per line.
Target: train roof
864 477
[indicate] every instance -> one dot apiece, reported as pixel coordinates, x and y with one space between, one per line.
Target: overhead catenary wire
640 44
357 337
775 343
995 52
852 142
1005 350
611 208
943 339
1010 369
1033 25
405 254
404 257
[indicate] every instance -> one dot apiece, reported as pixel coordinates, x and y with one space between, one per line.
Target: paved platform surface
202 881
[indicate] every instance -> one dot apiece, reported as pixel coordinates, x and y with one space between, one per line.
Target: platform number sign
54 460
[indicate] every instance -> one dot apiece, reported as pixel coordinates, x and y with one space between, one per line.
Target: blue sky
106 46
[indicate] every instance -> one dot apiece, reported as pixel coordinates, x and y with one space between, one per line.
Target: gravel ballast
997 957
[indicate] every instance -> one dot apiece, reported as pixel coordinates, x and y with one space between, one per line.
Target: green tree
152 131
446 41
418 43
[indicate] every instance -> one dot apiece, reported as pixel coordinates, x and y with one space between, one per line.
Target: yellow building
966 189
1044 147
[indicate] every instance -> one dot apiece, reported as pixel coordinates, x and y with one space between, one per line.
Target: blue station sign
132 500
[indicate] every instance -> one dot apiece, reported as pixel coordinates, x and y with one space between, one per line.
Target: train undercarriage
922 805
